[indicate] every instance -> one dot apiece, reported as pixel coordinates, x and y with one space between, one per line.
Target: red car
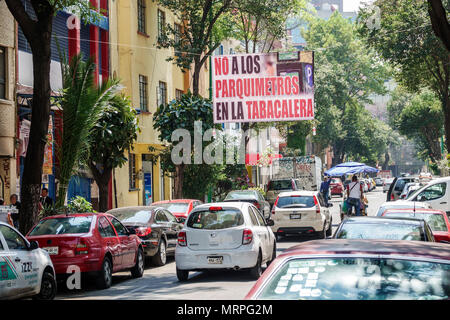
98 244
337 187
337 269
180 208
436 219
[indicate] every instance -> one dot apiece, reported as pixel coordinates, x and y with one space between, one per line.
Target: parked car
425 177
26 270
180 208
436 219
98 244
407 187
384 228
155 226
337 187
411 190
274 187
300 213
436 193
402 204
253 196
225 235
365 185
387 184
397 186
379 181
372 184
340 269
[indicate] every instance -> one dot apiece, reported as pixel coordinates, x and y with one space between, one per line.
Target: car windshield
436 221
353 278
298 201
280 185
214 220
132 215
384 230
174 207
240 195
335 181
66 225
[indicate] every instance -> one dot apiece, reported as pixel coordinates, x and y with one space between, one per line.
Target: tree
203 28
117 129
38 33
439 21
406 40
82 102
182 114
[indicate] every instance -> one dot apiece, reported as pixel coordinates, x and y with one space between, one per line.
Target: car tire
104 279
182 275
274 254
322 234
256 271
48 287
138 270
329 230
160 258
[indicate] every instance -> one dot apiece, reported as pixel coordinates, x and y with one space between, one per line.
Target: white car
402 204
387 184
224 235
25 270
301 212
436 193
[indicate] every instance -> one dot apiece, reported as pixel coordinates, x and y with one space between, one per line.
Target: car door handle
443 203
17 260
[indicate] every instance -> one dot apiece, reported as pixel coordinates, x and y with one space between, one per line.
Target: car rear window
350 278
214 220
296 201
436 221
66 225
280 185
132 215
174 207
386 231
240 195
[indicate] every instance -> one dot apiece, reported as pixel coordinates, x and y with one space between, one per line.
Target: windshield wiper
298 205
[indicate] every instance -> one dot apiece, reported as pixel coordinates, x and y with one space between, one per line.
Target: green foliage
261 190
79 205
81 104
296 136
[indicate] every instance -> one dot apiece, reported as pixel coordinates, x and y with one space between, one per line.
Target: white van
436 193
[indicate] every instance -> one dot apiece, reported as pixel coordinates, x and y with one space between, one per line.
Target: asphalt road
160 283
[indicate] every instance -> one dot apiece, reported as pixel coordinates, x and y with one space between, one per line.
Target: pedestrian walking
324 188
15 204
354 196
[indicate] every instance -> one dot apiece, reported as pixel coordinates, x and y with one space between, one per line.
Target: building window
178 94
132 171
162 93
141 16
177 36
143 93
161 25
2 73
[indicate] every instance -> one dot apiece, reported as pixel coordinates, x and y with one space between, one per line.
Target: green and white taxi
25 270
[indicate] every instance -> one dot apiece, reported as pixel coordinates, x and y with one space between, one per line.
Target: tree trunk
179 177
196 77
102 179
446 107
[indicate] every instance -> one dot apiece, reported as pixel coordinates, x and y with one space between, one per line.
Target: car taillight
392 196
317 205
142 232
247 236
257 204
182 239
82 247
275 205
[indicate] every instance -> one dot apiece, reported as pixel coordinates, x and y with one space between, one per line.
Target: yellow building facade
148 80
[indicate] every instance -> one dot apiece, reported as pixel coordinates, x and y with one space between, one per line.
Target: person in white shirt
354 196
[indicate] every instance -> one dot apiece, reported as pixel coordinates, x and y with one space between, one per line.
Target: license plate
296 216
51 250
215 260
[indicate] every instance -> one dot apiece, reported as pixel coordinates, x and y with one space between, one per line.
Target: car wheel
274 254
329 230
138 270
182 275
48 287
256 271
104 280
160 257
322 234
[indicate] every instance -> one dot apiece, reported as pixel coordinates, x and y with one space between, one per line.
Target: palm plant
82 102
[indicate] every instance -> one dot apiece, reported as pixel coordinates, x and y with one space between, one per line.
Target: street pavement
160 283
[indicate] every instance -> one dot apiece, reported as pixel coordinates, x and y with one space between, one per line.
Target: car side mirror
270 222
131 231
420 198
33 245
179 220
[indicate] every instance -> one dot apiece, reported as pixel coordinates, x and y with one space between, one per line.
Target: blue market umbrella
349 168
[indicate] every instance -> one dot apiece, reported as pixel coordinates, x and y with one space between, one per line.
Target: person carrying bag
354 196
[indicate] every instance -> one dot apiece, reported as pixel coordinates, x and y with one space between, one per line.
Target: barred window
132 175
161 24
177 28
143 93
178 94
141 16
2 73
162 93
